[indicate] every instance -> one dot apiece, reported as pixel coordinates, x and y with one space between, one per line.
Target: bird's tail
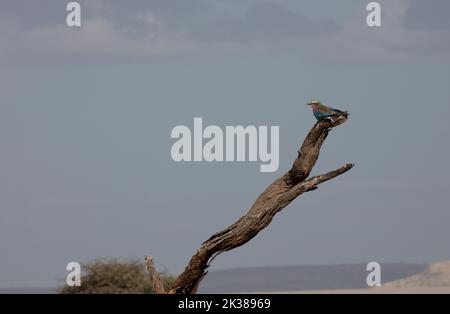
340 112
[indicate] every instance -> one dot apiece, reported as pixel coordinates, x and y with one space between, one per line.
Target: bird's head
313 102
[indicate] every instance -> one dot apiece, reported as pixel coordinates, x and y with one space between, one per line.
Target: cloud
395 40
263 21
147 29
424 29
30 14
35 31
428 15
270 20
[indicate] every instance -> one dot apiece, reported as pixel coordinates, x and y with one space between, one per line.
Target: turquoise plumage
321 111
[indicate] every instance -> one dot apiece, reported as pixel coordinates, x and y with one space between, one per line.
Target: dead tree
274 198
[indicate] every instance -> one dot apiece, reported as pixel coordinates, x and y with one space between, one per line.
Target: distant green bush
115 276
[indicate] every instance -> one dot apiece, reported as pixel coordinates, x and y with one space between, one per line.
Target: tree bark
158 287
272 200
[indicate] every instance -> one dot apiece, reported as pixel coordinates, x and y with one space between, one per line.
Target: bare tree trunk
158 287
272 200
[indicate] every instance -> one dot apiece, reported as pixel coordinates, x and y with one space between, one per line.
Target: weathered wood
272 200
158 287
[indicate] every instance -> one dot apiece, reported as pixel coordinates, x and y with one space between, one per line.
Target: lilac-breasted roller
321 111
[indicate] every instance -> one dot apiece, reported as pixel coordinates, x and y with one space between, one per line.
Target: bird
322 112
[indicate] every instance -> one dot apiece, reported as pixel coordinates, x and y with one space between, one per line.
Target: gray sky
86 116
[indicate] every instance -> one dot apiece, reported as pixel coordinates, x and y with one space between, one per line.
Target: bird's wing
337 110
324 109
